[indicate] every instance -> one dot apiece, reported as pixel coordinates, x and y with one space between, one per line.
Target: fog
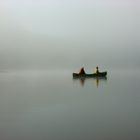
68 35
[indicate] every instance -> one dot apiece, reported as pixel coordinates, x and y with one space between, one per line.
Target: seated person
82 71
97 69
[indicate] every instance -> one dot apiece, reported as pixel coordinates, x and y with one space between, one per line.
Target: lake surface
39 105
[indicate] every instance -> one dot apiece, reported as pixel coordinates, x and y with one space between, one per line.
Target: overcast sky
45 34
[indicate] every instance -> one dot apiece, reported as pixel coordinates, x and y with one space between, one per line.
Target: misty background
68 35
42 42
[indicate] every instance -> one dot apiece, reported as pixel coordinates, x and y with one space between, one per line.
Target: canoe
101 74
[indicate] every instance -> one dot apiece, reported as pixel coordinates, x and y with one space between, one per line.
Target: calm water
37 105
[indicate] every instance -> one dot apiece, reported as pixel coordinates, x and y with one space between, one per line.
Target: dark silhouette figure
97 69
82 71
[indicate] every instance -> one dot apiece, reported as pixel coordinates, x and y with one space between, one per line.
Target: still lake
40 105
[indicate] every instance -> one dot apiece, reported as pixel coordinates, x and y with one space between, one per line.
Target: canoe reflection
97 80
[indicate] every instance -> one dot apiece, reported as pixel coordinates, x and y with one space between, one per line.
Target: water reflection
96 80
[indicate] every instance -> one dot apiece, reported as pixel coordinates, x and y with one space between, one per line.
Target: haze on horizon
68 35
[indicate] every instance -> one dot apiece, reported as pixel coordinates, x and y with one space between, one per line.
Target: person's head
97 67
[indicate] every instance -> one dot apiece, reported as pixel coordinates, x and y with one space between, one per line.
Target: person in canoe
82 71
97 70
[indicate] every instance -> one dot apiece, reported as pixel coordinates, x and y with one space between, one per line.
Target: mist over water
43 43
69 35
41 105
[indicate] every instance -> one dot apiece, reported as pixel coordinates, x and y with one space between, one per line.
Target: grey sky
59 34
